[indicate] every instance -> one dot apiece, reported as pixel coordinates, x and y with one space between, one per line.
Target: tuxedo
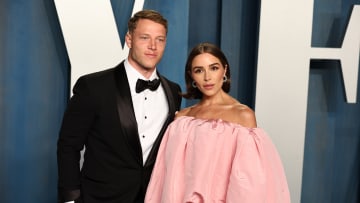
100 116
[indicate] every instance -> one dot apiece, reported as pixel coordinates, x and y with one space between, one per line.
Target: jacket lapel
126 112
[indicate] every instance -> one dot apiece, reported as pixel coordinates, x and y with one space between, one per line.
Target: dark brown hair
149 15
194 93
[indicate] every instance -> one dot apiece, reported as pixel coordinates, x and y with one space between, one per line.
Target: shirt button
145 117
145 98
143 136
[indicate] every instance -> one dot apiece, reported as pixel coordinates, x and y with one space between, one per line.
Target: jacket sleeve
75 125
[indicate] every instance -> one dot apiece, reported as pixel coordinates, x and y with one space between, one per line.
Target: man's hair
149 15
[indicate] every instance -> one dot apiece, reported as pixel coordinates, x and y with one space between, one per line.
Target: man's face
147 44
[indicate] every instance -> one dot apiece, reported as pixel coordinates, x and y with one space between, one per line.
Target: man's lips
151 55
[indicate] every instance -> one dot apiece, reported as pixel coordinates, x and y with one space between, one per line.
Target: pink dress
216 161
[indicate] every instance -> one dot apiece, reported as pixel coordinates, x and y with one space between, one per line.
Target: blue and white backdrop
295 63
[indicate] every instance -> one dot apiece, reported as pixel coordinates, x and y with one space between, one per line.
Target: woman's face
208 74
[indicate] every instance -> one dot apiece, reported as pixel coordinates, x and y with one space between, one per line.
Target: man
119 122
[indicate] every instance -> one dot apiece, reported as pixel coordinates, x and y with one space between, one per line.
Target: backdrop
35 82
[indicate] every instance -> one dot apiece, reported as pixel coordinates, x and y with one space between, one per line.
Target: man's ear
128 39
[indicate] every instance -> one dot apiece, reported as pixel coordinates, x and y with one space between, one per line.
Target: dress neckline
214 120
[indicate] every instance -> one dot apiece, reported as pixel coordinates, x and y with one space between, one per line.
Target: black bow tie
141 85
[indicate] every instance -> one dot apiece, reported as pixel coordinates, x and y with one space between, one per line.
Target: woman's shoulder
240 108
182 112
243 115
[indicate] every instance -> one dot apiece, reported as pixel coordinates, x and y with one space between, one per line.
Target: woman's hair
194 93
149 15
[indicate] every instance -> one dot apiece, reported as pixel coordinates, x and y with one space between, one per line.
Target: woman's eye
214 68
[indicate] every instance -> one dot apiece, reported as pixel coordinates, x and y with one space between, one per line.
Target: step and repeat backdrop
295 63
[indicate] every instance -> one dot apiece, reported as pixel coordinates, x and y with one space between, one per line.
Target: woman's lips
208 86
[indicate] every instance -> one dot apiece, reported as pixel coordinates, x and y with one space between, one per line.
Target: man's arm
75 126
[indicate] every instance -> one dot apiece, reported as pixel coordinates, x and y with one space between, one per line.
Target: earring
225 78
193 84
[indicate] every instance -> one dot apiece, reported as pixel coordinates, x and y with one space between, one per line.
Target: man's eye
161 40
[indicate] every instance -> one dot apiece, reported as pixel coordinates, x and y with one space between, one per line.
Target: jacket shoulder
102 73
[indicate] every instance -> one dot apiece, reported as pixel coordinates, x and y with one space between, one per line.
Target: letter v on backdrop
283 74
91 36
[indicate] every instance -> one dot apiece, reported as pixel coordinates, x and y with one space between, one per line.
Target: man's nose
152 44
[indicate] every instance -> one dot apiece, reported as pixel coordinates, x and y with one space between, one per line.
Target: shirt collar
133 75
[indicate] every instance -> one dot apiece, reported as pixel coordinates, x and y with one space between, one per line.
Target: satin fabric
216 161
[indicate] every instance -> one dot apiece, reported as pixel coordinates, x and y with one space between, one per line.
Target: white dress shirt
151 109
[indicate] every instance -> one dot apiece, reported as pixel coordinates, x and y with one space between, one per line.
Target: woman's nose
206 76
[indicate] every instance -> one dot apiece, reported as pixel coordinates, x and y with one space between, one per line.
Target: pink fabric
216 161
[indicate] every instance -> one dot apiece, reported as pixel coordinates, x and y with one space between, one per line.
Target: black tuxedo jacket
100 115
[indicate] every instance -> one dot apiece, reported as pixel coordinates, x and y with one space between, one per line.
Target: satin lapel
126 112
172 108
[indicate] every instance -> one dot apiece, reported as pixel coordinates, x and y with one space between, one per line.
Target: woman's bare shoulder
244 115
183 112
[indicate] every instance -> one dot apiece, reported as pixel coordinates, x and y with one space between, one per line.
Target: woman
213 151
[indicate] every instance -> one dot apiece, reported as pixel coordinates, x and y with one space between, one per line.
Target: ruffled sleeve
202 161
169 166
257 174
155 187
